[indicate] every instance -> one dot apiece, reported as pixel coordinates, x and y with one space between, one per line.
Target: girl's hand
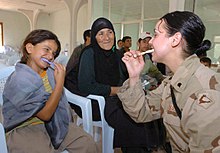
48 110
134 63
59 73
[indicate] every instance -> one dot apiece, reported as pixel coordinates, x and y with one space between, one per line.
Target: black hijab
106 61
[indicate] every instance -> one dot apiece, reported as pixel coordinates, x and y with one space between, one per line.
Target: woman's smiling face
161 42
105 38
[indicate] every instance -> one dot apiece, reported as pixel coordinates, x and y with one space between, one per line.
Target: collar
184 73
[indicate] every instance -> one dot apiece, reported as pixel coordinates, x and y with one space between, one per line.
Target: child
35 108
206 61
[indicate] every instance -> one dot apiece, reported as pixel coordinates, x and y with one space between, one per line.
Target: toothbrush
49 62
143 53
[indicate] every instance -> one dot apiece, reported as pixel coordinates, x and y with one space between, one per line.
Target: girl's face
161 43
105 38
46 49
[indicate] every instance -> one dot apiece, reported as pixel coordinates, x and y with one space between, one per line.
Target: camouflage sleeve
136 104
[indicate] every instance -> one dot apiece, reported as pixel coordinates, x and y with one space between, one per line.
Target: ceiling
208 9
47 6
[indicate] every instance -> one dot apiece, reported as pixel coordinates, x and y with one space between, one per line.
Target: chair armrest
101 102
107 130
85 105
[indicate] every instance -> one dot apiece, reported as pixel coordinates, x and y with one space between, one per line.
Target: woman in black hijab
102 72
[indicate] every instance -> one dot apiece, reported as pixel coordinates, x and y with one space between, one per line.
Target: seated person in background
206 61
102 72
127 43
149 68
35 108
119 44
77 51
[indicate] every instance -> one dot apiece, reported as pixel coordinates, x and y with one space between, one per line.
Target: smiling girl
35 107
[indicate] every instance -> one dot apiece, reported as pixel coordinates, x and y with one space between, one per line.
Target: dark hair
190 26
125 38
139 40
119 40
35 37
202 51
206 60
86 33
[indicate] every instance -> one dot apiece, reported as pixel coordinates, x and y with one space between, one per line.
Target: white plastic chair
85 105
3 145
4 73
106 131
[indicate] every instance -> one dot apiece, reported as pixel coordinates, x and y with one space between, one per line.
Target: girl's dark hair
190 26
35 37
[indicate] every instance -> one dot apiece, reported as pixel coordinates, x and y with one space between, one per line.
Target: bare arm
114 91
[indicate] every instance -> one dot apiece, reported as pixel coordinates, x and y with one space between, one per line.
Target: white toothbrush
143 53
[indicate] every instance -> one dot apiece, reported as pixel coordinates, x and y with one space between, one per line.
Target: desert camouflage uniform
197 92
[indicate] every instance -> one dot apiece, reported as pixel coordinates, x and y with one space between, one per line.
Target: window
209 12
1 34
133 17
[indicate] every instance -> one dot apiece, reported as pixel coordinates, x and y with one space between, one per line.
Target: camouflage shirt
197 92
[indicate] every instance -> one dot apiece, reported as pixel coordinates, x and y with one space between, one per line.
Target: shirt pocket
170 116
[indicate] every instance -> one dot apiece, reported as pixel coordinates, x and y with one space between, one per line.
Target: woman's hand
134 63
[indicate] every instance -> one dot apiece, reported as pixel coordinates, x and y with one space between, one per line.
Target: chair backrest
4 73
107 131
85 104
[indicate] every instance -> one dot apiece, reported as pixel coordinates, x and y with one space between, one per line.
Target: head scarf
98 25
106 61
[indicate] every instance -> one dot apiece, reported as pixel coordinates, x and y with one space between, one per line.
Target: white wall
82 23
60 22
15 27
44 21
